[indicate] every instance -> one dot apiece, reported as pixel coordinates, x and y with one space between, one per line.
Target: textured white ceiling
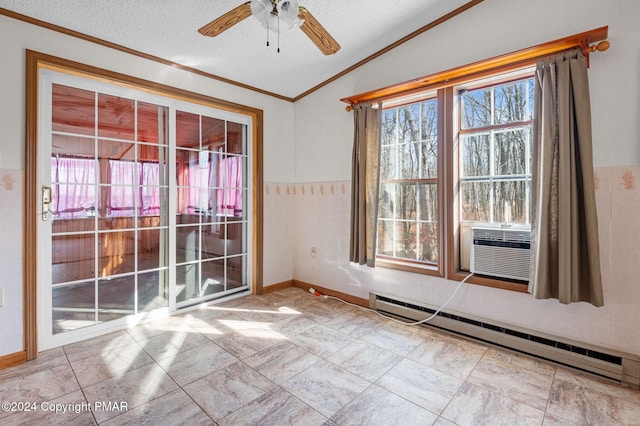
168 29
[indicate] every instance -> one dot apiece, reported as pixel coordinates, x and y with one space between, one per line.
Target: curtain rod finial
602 46
587 49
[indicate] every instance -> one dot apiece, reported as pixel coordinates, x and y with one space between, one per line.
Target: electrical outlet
314 252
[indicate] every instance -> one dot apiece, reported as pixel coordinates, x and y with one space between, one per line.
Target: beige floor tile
361 324
282 361
475 405
326 387
216 327
160 326
323 311
424 386
97 345
68 410
293 324
598 384
338 321
400 339
443 422
227 390
248 338
112 363
551 420
322 341
584 405
521 361
203 315
134 388
174 408
292 298
173 342
40 386
46 360
525 386
376 406
366 360
193 364
276 407
265 314
451 355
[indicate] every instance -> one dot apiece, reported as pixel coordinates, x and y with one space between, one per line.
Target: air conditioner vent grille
503 253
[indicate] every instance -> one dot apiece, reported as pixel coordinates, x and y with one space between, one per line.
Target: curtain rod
520 57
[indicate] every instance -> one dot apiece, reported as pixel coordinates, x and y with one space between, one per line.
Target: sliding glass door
144 202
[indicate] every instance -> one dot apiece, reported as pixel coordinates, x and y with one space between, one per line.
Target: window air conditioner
503 253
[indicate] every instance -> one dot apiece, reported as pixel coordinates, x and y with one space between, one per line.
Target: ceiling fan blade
226 21
317 33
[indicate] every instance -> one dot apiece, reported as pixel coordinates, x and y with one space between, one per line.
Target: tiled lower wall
317 214
618 202
290 232
11 312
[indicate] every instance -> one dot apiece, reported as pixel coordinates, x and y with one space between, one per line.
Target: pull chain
278 33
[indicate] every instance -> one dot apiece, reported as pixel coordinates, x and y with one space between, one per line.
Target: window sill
408 266
519 287
433 270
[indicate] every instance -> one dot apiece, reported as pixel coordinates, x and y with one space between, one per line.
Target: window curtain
198 179
229 196
149 189
74 187
124 177
130 180
365 178
193 173
565 258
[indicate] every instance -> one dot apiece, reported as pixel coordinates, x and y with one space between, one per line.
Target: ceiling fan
273 13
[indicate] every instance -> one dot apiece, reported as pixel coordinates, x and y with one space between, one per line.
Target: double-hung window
408 200
495 151
451 158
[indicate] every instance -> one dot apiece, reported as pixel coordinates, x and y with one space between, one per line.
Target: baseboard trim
11 360
278 286
344 296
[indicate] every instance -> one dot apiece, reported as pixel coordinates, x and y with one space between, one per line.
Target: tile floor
292 358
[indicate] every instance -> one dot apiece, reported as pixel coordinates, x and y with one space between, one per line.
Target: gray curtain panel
365 177
565 255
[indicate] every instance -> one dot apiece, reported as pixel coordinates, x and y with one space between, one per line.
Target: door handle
46 201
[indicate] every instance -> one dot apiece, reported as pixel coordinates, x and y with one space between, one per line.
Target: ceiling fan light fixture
273 14
269 12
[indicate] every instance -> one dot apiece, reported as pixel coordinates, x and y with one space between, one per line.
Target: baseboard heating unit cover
615 365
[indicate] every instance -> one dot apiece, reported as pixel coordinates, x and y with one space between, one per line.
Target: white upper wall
324 131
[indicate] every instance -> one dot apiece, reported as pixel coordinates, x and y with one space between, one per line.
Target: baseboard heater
615 365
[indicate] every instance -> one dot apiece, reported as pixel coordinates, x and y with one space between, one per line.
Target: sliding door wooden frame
36 61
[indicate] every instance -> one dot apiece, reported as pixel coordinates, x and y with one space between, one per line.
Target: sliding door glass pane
211 192
109 191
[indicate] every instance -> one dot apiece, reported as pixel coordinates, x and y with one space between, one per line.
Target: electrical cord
455 291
